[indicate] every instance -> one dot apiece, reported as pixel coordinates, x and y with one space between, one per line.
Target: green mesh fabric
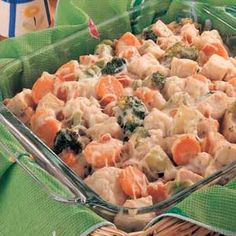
24 208
213 208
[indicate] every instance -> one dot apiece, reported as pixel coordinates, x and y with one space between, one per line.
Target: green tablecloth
25 209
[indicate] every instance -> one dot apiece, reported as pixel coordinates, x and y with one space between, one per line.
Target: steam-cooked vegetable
149 34
157 160
156 80
177 186
182 50
116 65
105 49
67 138
130 113
138 134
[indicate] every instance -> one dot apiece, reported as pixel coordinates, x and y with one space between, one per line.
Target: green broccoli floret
130 113
156 80
149 34
116 65
182 50
67 138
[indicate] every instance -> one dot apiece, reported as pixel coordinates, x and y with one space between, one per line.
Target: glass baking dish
79 193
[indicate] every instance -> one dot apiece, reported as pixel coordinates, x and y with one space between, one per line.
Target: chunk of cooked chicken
21 105
183 175
20 102
157 119
216 68
51 102
183 67
107 126
173 85
145 66
133 222
151 47
161 29
199 163
82 107
196 88
206 37
189 32
213 105
225 154
105 182
229 126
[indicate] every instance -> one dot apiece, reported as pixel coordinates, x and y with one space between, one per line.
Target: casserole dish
84 194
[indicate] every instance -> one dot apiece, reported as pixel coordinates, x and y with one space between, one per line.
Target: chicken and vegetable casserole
142 118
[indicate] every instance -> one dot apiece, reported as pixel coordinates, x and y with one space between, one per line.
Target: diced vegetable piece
181 50
76 162
139 133
133 182
69 157
67 138
104 49
130 113
186 120
114 66
174 187
184 149
157 160
43 86
68 71
215 48
48 131
149 34
104 152
232 81
109 89
158 191
156 80
126 40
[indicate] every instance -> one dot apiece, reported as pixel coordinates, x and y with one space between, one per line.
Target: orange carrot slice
158 191
232 81
104 152
43 86
146 95
68 71
69 157
215 48
48 130
125 80
108 89
126 40
184 149
133 182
